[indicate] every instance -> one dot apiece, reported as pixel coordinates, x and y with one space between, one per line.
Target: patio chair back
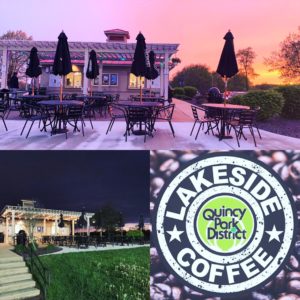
195 112
247 117
75 112
138 114
166 112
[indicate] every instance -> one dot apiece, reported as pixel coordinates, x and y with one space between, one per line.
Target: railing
39 272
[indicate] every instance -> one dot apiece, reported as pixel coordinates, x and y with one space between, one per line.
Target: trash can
21 238
214 95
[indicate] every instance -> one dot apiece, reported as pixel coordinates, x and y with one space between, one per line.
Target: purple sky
198 25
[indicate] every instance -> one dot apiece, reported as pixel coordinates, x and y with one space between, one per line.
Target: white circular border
287 238
191 215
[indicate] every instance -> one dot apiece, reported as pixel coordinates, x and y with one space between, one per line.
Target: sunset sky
197 25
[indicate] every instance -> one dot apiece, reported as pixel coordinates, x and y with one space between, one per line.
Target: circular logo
225 224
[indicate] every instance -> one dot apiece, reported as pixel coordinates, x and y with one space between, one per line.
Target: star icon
274 234
175 234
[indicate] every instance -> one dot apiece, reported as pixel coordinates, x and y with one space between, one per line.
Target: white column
100 76
56 221
13 224
6 229
45 228
85 79
166 77
73 227
161 79
4 69
88 225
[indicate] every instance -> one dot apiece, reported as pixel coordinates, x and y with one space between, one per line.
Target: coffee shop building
114 56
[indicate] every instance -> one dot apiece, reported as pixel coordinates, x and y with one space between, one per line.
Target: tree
245 59
287 59
108 218
197 76
236 83
17 59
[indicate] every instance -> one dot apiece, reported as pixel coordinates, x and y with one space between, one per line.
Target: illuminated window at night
135 82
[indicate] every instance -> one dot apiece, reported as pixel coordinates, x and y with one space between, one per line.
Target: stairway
15 280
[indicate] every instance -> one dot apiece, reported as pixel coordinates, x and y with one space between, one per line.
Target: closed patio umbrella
62 62
61 223
92 71
152 72
140 64
34 69
228 67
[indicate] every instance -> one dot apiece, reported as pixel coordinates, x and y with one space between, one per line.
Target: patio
98 140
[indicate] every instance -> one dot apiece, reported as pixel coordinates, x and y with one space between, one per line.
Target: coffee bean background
286 286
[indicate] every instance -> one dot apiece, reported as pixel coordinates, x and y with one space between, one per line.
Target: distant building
16 218
115 58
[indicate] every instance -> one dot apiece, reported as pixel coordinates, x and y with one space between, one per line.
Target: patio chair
204 116
166 114
141 117
33 113
89 110
245 119
116 113
73 115
3 112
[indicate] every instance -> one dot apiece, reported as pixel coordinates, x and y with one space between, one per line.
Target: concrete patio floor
98 140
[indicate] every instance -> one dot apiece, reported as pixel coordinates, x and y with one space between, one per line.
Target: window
110 79
136 82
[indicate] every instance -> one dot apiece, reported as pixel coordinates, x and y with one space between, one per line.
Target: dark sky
71 180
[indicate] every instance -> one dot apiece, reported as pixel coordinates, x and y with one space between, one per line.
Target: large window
74 79
135 82
110 79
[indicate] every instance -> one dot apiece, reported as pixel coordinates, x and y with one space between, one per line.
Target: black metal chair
116 113
74 114
204 116
165 113
89 110
33 113
3 112
244 119
141 117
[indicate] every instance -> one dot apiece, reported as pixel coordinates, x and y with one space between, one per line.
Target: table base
224 137
59 130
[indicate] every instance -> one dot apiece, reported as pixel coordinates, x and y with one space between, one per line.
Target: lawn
111 275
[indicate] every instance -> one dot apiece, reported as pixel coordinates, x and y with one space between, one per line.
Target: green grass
111 275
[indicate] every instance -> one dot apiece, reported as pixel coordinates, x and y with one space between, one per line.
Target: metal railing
39 272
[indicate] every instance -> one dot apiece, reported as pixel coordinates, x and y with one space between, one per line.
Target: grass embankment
111 275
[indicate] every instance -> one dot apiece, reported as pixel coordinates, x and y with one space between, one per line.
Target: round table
35 97
59 107
225 108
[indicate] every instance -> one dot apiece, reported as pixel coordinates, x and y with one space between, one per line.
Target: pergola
13 213
109 51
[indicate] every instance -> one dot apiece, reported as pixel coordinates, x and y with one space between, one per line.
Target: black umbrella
228 66
141 222
81 222
62 62
34 69
61 223
152 72
92 71
140 62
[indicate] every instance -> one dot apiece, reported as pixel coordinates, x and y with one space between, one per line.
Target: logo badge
225 224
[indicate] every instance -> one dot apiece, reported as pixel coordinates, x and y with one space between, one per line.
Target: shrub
178 91
135 233
20 249
270 102
190 91
291 95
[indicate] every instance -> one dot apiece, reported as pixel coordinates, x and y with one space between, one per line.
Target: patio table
225 109
60 108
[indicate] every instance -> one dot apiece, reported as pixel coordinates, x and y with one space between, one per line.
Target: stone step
15 286
13 271
14 278
8 259
11 265
20 294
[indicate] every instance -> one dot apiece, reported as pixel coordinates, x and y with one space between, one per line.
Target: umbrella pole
91 87
225 93
61 88
141 89
32 86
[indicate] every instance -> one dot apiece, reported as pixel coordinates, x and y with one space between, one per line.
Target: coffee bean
176 293
289 297
293 286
